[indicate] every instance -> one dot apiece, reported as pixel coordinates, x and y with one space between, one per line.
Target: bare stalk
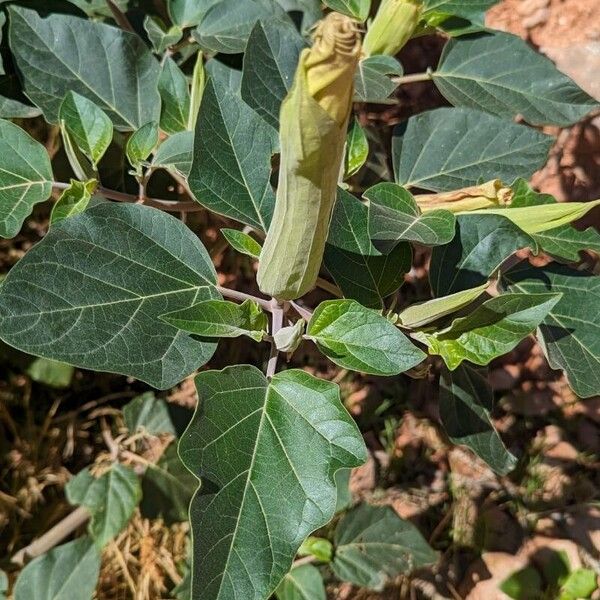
413 78
277 310
235 295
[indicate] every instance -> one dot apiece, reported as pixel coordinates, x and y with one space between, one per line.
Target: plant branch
277 311
235 295
413 78
303 312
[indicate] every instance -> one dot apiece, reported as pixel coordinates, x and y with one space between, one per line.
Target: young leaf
227 24
141 144
373 545
581 583
450 148
158 34
3 585
501 74
358 338
287 339
302 583
88 125
110 499
285 440
50 372
175 153
231 168
394 216
197 90
369 279
67 571
466 400
81 166
148 413
525 584
481 244
569 333
175 94
242 242
91 293
269 65
73 200
167 488
107 65
423 313
25 177
358 9
492 329
357 149
220 318
320 548
372 81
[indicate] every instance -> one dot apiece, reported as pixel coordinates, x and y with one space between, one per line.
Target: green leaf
167 488
358 338
25 177
50 372
501 74
423 313
525 584
372 81
3 585
466 401
394 216
141 144
242 242
287 339
231 168
174 91
373 545
570 333
158 34
492 329
187 13
357 149
269 65
467 9
358 9
344 495
197 90
302 583
369 279
109 66
481 244
110 499
227 24
67 572
581 583
149 414
175 153
449 148
311 11
88 126
284 440
13 103
320 548
220 318
91 293
81 166
73 200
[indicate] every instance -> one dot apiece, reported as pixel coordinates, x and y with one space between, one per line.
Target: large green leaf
481 244
269 65
492 329
110 499
67 572
373 545
395 216
109 66
570 334
358 338
302 583
187 13
266 454
227 24
91 293
220 318
450 148
359 9
232 159
466 401
372 81
501 74
25 177
168 488
369 279
175 93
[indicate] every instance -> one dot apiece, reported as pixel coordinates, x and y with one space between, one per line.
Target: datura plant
146 124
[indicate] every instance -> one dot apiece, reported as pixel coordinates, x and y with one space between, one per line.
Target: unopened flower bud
488 195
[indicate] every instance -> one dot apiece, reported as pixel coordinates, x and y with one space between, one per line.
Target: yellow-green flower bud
313 122
488 195
394 24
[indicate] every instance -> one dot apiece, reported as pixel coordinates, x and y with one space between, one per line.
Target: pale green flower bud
313 122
